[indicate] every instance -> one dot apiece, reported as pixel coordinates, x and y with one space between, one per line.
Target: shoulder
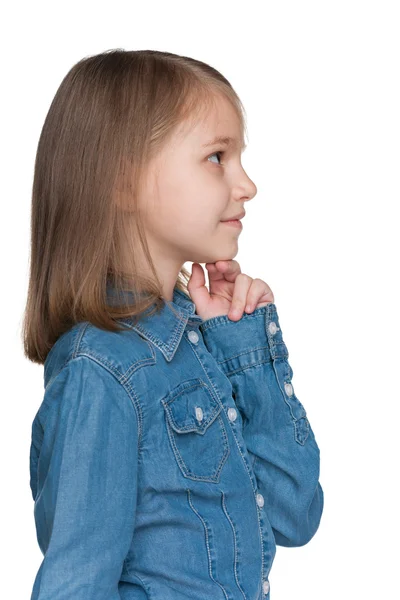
117 352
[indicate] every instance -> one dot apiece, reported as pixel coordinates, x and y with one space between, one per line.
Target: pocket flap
191 406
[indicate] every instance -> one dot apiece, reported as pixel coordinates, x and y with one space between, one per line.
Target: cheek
190 210
189 203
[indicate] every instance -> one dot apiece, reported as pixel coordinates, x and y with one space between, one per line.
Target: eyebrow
226 141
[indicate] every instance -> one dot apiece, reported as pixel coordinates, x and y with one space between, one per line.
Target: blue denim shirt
168 460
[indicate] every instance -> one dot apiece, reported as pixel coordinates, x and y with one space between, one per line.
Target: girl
170 454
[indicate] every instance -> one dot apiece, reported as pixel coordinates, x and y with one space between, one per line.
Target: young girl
170 454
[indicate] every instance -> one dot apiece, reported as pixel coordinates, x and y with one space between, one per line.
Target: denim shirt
168 460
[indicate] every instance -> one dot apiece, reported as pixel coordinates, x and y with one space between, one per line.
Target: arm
277 433
85 499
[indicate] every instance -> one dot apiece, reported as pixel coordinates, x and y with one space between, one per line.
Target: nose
253 189
250 189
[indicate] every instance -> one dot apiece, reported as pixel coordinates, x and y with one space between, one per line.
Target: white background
320 84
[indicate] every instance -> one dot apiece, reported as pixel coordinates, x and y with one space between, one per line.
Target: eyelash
221 152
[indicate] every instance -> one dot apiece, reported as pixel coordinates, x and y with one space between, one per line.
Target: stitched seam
255 364
134 399
254 349
146 361
107 364
207 544
184 388
248 351
185 428
81 332
235 544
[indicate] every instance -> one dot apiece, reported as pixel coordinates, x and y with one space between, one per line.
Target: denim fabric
168 460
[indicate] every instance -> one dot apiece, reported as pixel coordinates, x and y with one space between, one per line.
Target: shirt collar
164 329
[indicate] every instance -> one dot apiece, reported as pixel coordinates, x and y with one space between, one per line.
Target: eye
220 153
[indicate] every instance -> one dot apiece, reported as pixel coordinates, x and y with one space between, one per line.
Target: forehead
217 123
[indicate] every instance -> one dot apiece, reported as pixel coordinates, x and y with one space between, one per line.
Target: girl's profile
170 455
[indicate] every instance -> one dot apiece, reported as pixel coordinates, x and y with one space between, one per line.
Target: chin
215 252
214 257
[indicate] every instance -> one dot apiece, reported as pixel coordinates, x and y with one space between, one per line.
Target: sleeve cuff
256 338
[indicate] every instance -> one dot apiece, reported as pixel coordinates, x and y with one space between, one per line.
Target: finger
259 292
223 269
213 273
242 286
197 285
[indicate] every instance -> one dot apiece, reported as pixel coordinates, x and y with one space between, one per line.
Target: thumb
197 286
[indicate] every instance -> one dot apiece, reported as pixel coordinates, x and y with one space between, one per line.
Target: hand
230 290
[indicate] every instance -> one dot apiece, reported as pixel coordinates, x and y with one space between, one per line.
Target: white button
260 499
193 337
232 414
273 328
199 413
265 587
289 389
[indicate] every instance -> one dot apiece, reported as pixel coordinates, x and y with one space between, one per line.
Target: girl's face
192 187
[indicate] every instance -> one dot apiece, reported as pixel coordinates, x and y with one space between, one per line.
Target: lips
234 223
235 217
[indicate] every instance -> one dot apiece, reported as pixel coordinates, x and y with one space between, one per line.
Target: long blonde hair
111 114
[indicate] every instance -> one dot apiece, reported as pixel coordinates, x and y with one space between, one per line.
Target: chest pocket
196 430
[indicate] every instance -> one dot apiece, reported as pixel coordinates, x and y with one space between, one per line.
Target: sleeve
86 484
278 436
